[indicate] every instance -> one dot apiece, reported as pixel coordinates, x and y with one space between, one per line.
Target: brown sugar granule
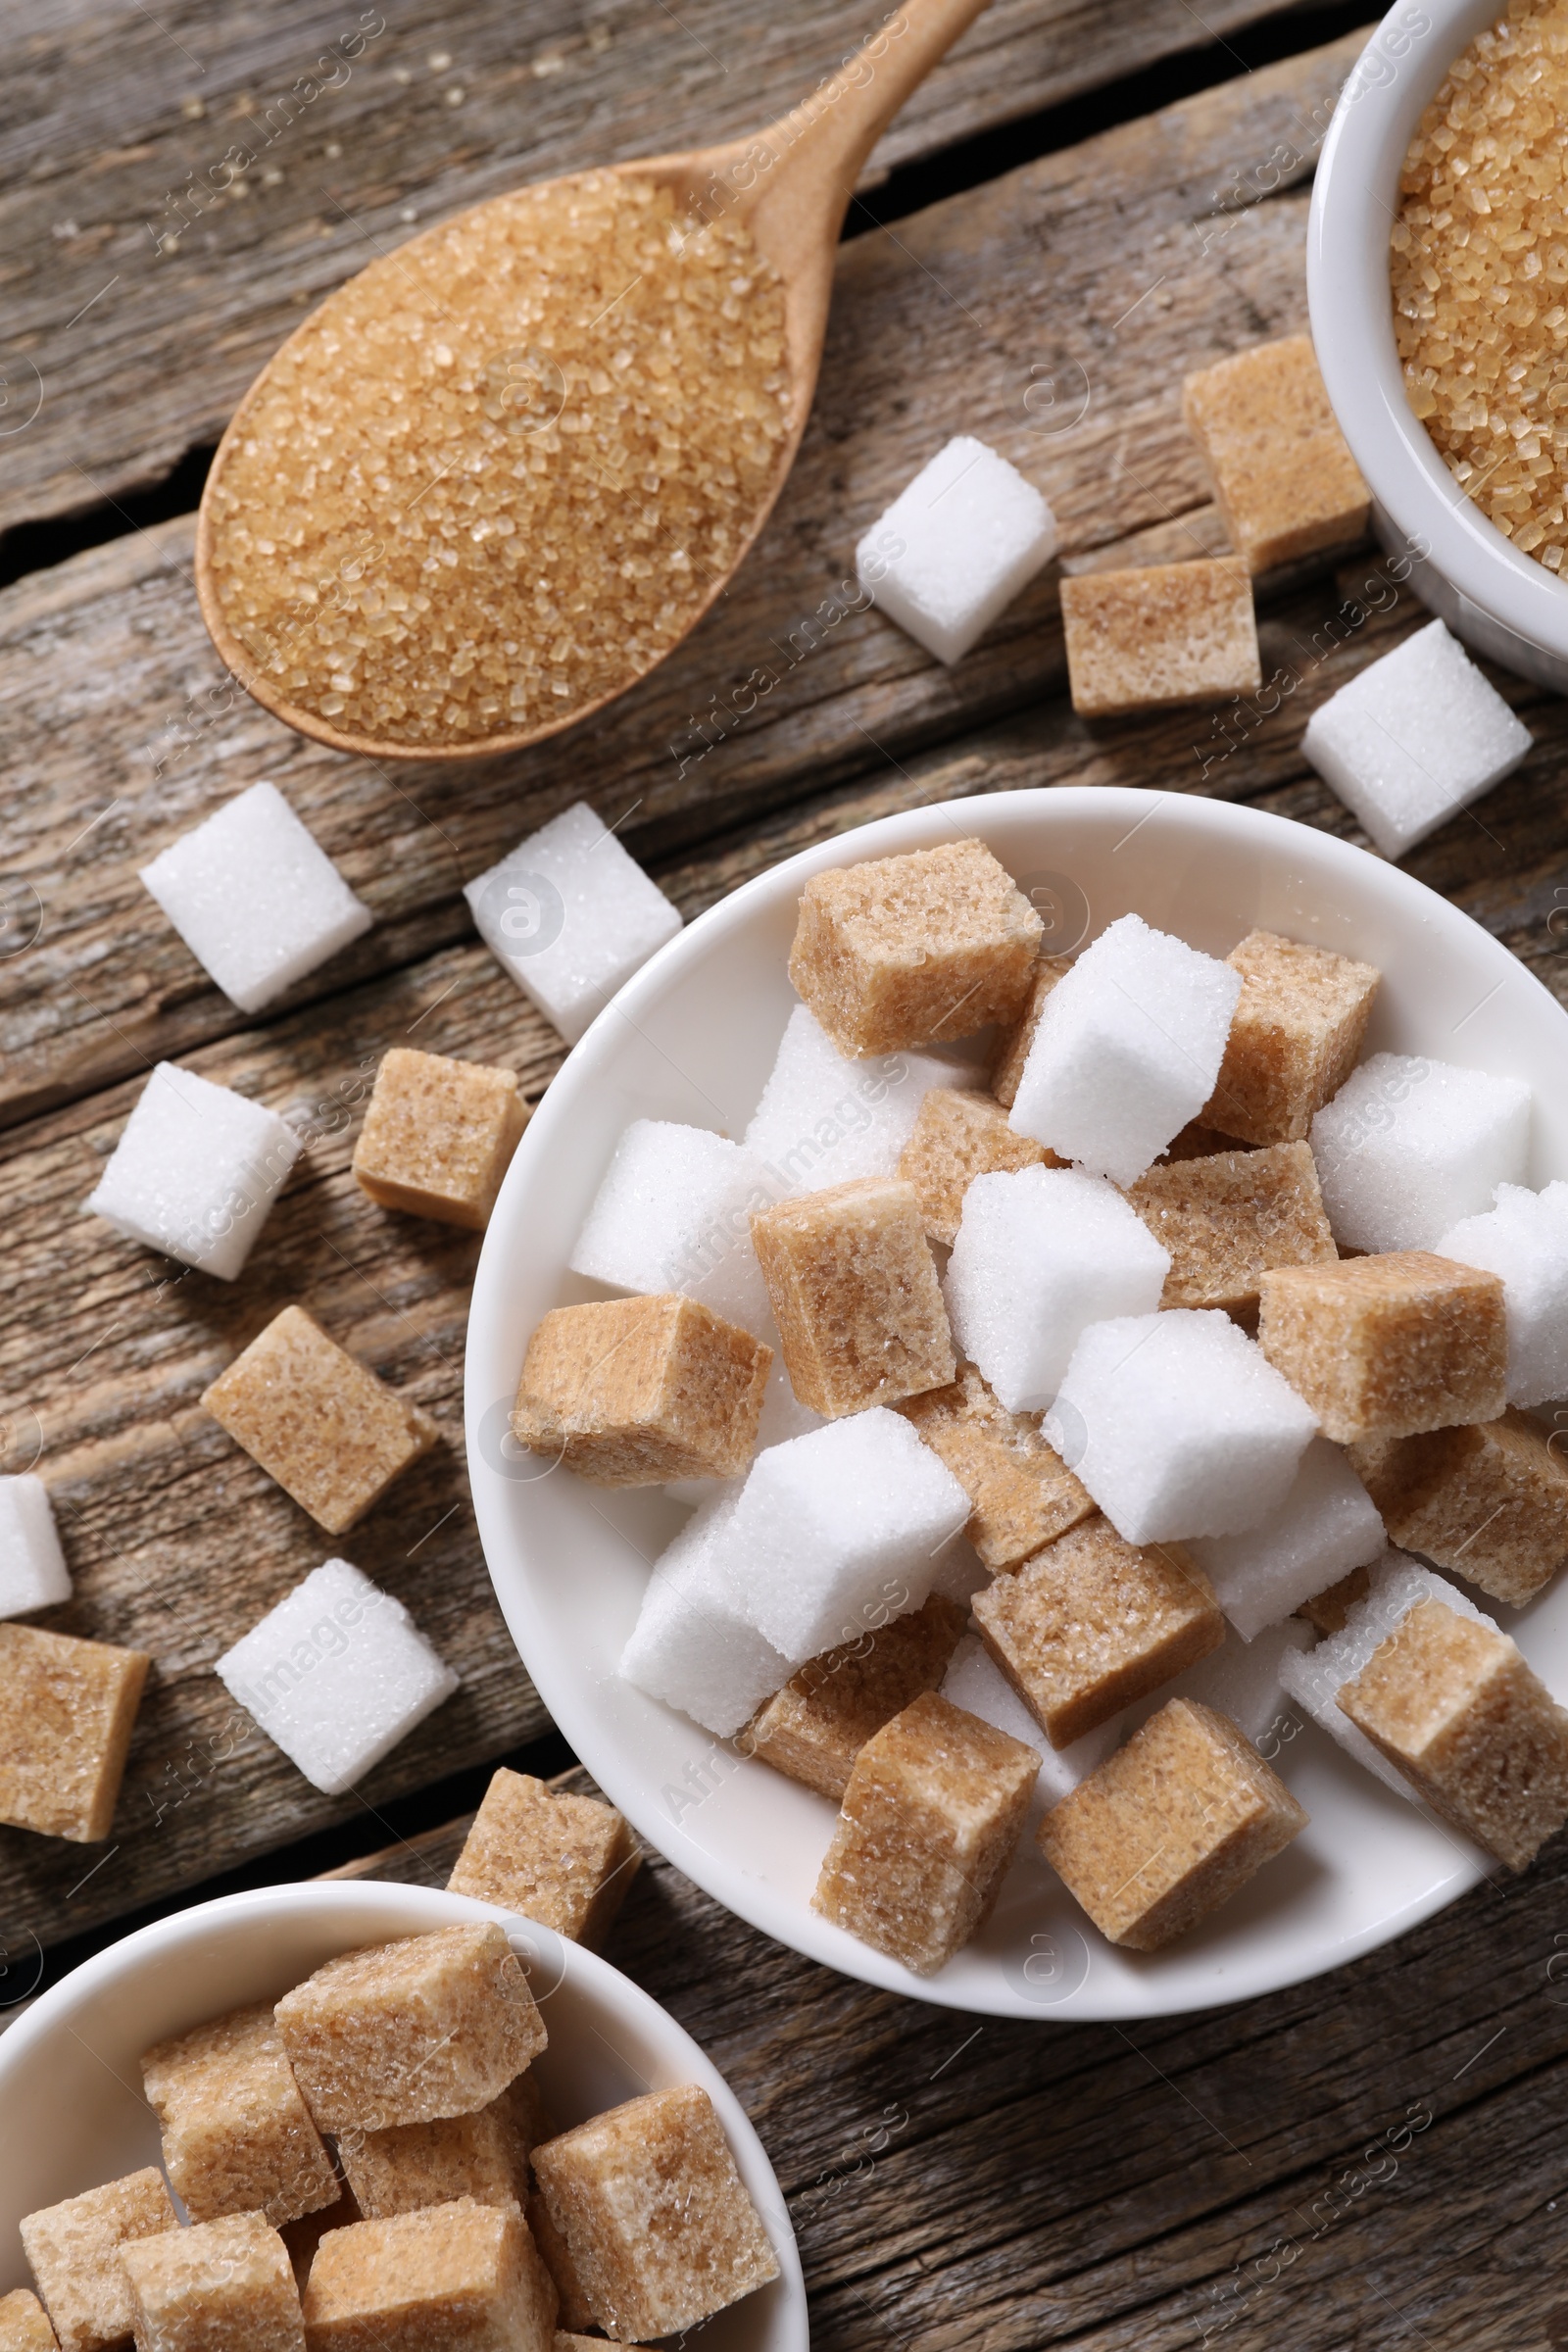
222 2287
462 2274
438 1135
815 1726
1389 1345
854 1293
1013 1051
1488 1500
498 475
632 1392
1022 1491
957 1136
1329 1609
22 2325
1284 479
74 2250
565 1860
483 2156
1168 633
67 1708
237 2134
1293 1036
1227 1219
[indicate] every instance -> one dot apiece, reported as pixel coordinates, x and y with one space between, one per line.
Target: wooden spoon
791 187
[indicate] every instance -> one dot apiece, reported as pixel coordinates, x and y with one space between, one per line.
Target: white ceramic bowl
691 1038
71 2113
1500 602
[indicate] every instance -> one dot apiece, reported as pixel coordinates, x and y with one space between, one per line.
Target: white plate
71 2077
691 1038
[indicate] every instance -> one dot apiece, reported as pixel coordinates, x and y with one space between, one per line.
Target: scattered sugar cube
67 1711
1091 1623
1488 1500
854 1296
438 1135
570 915
660 2230
956 546
630 1392
237 2135
1163 635
563 1859
673 1213
1013 1051
1525 1239
694 1645
1327 1525
1042 1253
815 1726
317 1420
336 1675
485 2155
823 1119
1387 1347
32 1567
457 2273
1415 738
22 2325
1408 1147
908 950
1127 1050
1179 1424
195 1172
1169 1828
976 1683
255 898
1021 1493
957 1137
223 2284
1241 1680
1293 1036
74 2250
1284 479
1226 1218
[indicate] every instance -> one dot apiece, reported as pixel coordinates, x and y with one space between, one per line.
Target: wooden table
1367 2161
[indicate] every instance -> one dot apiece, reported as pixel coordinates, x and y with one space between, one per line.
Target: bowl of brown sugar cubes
332 2116
1010 1401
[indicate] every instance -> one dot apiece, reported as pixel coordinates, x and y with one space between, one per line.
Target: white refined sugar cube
976 1683
1419 735
195 1172
1241 1680
1127 1050
1327 1525
32 1567
1525 1239
825 1120
956 546
1408 1147
692 1645
255 898
1040 1254
571 915
1179 1426
673 1213
336 1675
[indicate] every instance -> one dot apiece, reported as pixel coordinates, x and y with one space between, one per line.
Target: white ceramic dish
691 1038
1496 598
70 2083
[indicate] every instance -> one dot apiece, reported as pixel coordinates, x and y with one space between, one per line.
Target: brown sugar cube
237 2134
22 2325
1488 1500
1193 1142
815 1726
555 2256
223 2283
1169 1828
403 2032
659 2227
438 1135
957 1136
855 1293
1227 1219
483 2156
67 1711
74 2250
909 951
1387 1347
1329 1609
454 2275
566 2342
1023 1493
565 1860
302 2238
1454 1705
1293 1036
1148 639
1093 1622
1284 479
632 1392
317 1420
1013 1051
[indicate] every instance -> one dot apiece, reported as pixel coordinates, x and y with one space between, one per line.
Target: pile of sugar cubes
1049 1365
370 2163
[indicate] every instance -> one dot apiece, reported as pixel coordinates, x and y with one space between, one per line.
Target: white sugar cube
32 1567
1408 1147
1327 1525
1239 1679
255 897
673 1213
1179 1426
337 1673
692 1645
825 1120
1419 735
570 914
1525 1239
195 1172
954 547
1040 1254
976 1683
1127 1050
